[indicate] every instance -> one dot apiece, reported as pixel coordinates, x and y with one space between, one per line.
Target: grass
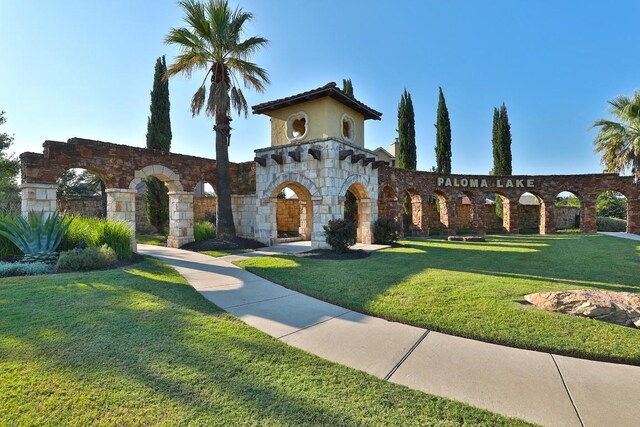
151 239
138 346
477 290
226 252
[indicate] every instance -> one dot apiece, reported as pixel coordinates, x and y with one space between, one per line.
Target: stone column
266 230
548 216
121 205
424 212
448 216
365 233
588 216
510 217
321 217
633 216
39 198
180 218
477 208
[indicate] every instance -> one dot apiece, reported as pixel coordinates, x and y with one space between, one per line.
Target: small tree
406 133
347 87
9 168
612 205
443 137
159 138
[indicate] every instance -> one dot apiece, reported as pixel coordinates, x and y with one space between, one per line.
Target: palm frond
197 101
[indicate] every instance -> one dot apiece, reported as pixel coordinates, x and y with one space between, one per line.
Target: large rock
622 308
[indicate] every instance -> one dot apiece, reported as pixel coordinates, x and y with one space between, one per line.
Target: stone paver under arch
539 387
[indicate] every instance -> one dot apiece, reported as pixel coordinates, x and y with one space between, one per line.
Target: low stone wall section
288 214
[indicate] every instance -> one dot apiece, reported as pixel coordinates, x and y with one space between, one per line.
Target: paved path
622 235
539 387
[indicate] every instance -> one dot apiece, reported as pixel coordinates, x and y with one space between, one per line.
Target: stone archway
365 214
180 203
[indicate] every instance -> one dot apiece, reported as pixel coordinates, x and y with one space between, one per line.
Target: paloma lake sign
480 183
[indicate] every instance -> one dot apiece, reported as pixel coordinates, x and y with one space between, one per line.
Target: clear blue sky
85 68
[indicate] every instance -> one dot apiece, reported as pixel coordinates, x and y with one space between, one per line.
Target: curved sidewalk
538 387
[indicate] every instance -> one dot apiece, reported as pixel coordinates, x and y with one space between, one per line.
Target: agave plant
38 236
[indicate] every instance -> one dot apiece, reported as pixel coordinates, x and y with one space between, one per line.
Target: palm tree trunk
224 215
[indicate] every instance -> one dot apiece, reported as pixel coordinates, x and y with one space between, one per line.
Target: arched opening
439 218
612 213
204 202
293 212
412 223
357 208
568 212
529 213
179 206
496 213
81 192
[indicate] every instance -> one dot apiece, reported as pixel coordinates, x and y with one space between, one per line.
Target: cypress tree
443 137
505 128
347 87
501 142
406 133
159 138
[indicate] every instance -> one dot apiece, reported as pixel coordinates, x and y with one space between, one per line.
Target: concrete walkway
538 387
621 235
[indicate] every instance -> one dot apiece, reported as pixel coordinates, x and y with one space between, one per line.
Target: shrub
95 232
38 236
204 231
7 249
604 223
90 258
340 234
386 230
23 268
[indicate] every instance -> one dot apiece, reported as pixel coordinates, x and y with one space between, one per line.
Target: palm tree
619 142
211 42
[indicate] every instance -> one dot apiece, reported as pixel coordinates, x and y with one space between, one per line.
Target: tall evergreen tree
406 133
159 138
347 87
443 137
505 128
501 142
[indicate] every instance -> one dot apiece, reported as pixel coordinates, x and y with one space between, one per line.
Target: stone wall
85 206
288 214
566 217
203 207
244 215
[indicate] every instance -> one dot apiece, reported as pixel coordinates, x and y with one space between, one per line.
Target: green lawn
151 239
476 290
138 346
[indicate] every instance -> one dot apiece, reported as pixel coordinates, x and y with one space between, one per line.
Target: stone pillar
424 212
39 198
266 231
633 216
121 205
548 216
477 210
510 217
365 233
588 216
321 217
180 218
448 216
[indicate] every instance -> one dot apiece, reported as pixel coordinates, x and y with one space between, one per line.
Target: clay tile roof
330 89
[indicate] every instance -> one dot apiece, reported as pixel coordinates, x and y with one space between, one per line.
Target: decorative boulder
622 308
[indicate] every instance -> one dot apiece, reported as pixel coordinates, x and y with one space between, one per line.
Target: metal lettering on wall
485 183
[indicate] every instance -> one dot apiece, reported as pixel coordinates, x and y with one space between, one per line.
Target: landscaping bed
139 346
223 244
476 289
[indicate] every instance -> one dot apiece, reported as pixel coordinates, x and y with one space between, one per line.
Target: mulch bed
225 243
329 254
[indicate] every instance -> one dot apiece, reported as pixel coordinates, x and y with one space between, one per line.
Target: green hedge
604 223
90 258
95 232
